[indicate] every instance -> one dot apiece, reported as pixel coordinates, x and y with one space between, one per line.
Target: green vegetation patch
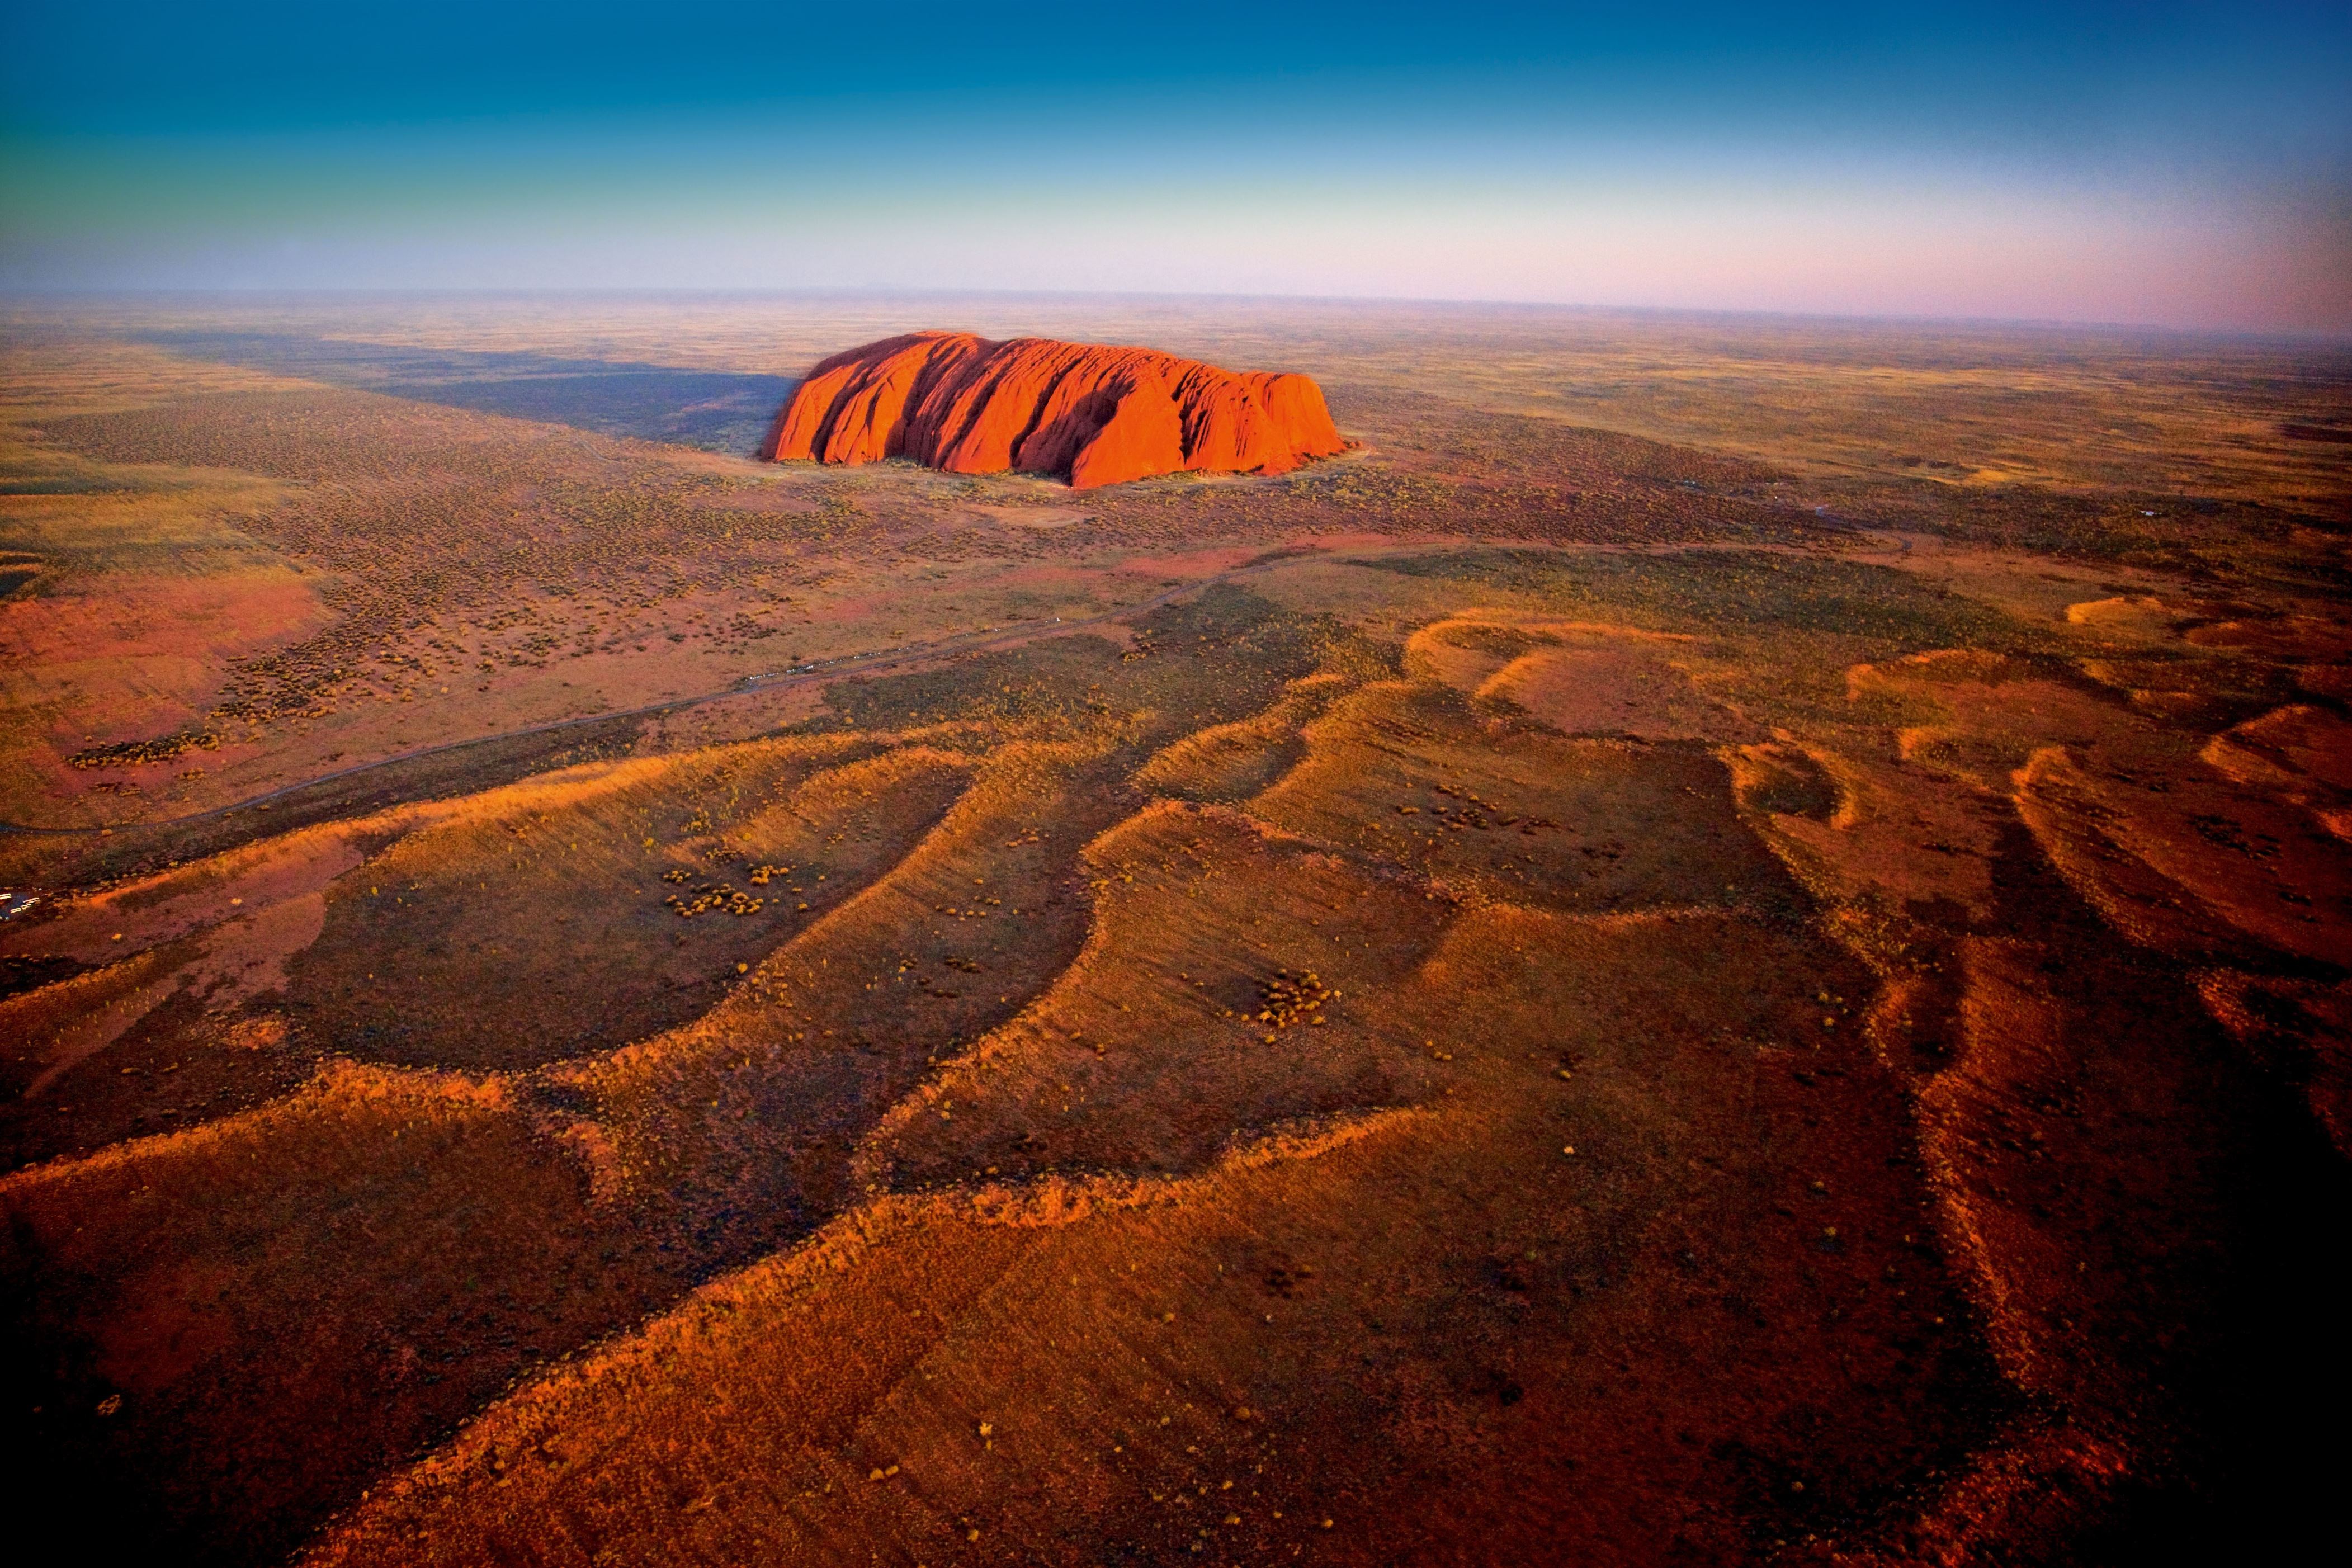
1208 660
1892 612
37 473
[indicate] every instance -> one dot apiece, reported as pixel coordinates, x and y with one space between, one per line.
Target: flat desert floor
1730 942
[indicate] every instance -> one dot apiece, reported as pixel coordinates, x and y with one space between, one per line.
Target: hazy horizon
264 295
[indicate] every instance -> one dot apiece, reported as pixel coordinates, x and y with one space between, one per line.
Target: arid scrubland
1732 942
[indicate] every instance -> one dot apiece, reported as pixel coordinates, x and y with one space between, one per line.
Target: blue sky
2184 165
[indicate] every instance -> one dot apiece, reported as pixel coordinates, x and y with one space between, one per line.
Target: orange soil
1744 1059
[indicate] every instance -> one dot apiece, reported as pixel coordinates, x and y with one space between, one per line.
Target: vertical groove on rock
1097 414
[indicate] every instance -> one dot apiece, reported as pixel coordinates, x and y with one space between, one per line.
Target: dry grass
1578 1009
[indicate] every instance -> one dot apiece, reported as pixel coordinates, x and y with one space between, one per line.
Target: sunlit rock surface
1099 414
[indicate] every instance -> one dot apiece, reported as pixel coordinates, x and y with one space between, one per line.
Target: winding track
847 664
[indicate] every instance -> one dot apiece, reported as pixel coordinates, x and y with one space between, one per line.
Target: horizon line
10 297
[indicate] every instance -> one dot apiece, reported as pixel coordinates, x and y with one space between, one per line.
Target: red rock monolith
1097 414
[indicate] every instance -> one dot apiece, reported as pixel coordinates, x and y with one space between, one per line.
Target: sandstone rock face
1101 414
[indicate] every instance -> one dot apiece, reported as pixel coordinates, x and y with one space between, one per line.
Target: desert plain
1730 940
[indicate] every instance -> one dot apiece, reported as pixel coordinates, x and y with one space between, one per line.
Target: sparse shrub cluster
1288 999
715 896
452 546
132 754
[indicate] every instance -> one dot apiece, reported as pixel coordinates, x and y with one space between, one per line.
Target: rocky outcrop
1099 414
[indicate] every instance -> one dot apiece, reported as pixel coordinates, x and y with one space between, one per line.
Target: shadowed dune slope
1546 1080
1434 1303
